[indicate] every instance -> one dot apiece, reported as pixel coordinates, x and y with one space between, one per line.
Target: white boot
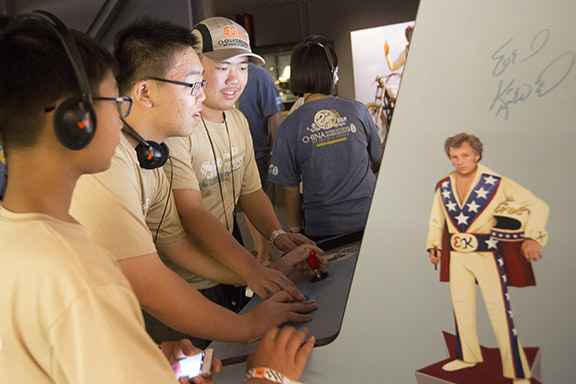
456 365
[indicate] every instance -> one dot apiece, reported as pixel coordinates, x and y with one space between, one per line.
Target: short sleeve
181 169
283 166
123 205
374 144
124 233
270 101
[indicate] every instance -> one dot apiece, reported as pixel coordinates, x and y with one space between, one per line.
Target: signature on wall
513 89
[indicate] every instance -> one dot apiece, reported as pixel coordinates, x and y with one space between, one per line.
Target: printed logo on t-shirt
211 170
273 170
328 128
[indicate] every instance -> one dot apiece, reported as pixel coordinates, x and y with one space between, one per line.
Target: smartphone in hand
192 366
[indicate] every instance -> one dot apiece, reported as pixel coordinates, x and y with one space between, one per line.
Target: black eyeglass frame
119 101
195 87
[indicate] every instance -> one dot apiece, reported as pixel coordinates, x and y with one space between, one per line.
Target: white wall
450 82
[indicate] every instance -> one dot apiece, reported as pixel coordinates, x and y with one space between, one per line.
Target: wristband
269 374
273 237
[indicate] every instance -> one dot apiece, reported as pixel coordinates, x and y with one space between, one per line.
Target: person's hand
285 351
263 280
288 241
386 48
178 350
530 249
435 255
277 310
294 264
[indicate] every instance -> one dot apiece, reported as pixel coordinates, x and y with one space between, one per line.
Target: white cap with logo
220 39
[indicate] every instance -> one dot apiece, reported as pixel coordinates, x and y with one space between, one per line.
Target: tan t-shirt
200 158
67 313
122 207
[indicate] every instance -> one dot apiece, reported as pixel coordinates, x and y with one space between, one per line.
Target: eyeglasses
195 87
124 104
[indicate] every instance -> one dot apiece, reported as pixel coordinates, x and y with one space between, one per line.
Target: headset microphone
150 154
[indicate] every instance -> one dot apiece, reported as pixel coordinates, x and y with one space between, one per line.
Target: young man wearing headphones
67 313
130 210
214 168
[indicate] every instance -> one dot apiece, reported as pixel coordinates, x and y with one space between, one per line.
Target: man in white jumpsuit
465 203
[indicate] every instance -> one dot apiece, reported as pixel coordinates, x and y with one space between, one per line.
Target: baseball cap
221 39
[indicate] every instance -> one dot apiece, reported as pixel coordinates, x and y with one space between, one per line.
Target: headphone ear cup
74 126
152 155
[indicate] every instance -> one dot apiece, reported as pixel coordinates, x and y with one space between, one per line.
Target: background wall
504 71
275 22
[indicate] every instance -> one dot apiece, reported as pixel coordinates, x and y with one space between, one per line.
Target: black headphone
74 119
330 61
321 41
150 154
331 64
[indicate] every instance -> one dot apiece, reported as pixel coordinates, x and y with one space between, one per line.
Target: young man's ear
49 130
142 93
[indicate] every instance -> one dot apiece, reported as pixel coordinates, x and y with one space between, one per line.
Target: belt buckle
464 242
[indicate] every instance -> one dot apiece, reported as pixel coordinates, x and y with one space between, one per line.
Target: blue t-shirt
258 101
330 144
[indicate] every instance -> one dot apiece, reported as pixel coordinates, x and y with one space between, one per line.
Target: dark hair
147 48
3 21
310 70
35 72
456 141
408 32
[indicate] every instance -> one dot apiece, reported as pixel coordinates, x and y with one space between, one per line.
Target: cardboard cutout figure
401 59
486 229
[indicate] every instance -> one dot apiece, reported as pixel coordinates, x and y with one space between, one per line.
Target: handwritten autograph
511 91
